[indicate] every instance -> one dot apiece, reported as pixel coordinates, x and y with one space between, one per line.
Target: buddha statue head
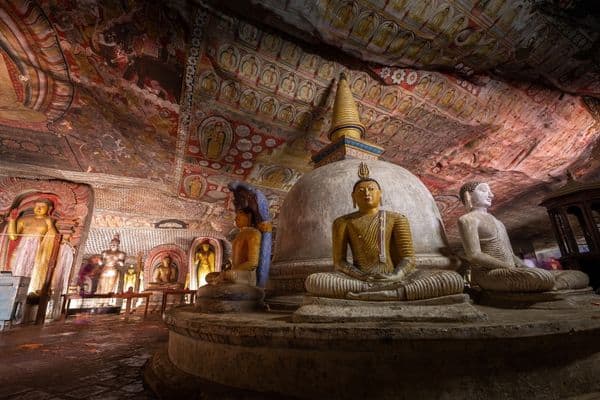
166 261
476 195
41 208
366 193
244 218
205 247
115 242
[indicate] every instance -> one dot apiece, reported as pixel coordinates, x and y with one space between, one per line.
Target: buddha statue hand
397 292
352 271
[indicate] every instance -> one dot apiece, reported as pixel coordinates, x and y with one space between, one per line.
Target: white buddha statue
488 250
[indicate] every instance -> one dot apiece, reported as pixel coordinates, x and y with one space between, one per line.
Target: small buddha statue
204 261
165 272
35 235
112 260
130 279
488 249
383 258
245 251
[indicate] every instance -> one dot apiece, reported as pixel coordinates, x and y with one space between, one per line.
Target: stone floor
87 357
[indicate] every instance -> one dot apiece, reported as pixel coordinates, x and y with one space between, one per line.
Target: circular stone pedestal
229 297
534 354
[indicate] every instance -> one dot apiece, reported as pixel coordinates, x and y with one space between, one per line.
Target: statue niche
164 273
165 268
131 281
205 257
41 225
32 241
204 262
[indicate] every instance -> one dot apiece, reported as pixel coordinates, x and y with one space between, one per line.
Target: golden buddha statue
383 264
36 236
488 249
112 260
130 279
245 253
165 272
204 261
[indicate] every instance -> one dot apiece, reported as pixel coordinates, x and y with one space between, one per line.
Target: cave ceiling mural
196 95
112 72
556 42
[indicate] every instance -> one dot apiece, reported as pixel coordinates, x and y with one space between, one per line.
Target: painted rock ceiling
194 96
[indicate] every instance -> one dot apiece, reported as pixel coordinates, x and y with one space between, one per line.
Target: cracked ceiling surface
194 95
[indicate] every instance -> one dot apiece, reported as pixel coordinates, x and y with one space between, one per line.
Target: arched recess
217 247
155 256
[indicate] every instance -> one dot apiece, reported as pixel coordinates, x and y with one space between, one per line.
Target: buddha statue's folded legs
418 285
570 280
513 279
528 279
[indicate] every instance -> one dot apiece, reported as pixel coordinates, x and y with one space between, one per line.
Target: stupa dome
303 243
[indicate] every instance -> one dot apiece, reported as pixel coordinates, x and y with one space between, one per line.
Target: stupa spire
345 120
346 133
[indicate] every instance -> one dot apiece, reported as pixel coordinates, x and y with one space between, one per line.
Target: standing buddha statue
130 279
112 260
36 236
383 264
204 261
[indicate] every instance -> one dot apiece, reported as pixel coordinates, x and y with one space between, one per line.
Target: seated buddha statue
488 250
245 253
383 257
239 287
164 272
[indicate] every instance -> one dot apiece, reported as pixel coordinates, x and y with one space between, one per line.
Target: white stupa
303 243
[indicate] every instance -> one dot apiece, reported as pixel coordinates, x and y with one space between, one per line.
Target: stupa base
535 354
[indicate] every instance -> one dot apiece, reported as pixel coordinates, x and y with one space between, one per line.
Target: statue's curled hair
467 187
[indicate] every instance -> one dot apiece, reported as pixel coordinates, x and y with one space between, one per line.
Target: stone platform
229 297
534 354
454 308
556 299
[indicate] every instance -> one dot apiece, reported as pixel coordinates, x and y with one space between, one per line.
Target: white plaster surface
308 211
